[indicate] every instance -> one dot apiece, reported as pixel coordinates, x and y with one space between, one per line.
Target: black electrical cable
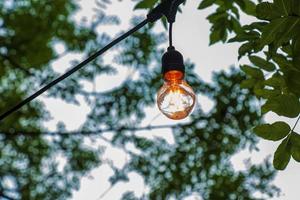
170 34
73 70
167 8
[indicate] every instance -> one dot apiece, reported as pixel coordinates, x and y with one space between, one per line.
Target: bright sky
191 37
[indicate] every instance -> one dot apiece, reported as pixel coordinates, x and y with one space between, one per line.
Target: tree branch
6 196
106 192
26 71
92 94
93 132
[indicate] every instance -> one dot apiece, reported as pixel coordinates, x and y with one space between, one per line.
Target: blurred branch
95 132
106 192
154 118
4 196
26 71
93 93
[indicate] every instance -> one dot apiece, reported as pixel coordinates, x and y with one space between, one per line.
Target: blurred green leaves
32 163
198 161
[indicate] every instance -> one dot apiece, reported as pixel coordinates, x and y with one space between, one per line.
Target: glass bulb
175 98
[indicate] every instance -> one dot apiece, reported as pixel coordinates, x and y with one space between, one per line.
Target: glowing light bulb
175 99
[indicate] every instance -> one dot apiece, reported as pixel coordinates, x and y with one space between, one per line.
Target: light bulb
175 99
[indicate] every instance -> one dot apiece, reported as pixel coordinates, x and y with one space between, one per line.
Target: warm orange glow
173 75
175 98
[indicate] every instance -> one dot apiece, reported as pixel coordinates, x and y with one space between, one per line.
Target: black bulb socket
172 60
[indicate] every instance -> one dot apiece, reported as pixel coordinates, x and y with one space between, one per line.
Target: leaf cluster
275 76
271 43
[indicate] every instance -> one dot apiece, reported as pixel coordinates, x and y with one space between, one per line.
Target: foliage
199 159
273 75
271 43
37 164
30 165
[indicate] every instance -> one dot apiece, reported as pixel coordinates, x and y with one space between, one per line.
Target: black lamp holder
172 59
167 8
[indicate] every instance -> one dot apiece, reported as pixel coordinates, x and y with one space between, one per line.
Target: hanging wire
170 34
72 71
164 8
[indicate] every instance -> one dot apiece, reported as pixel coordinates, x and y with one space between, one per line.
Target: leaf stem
295 124
105 192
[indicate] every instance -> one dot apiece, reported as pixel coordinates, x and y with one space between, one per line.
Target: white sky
191 37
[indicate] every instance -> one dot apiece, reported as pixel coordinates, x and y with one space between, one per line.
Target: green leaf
217 16
274 132
287 49
206 3
266 93
295 149
249 7
145 4
292 79
271 31
282 155
266 11
284 105
290 30
281 61
253 72
261 63
215 37
255 25
295 139
245 48
276 81
249 83
283 7
296 46
296 7
243 36
296 52
164 22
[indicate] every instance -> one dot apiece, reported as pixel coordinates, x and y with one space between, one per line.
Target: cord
170 34
73 70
